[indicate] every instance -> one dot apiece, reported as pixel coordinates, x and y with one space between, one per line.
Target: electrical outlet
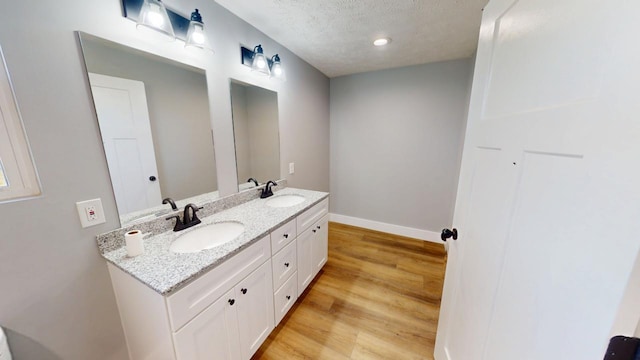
90 212
292 168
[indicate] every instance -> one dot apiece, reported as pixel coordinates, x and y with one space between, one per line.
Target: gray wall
178 110
396 138
241 131
57 301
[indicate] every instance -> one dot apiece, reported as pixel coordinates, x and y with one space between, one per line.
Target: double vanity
218 289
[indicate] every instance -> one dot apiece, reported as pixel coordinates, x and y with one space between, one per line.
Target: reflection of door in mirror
121 105
255 128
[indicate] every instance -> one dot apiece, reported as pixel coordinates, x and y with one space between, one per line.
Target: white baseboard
425 235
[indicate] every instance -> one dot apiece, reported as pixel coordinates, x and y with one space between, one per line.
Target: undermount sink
281 201
207 237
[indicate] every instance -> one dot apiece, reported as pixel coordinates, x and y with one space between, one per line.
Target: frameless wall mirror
256 133
154 120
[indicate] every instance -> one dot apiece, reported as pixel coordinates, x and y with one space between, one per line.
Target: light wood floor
378 297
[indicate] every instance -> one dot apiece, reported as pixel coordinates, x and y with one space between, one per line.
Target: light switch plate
292 168
90 212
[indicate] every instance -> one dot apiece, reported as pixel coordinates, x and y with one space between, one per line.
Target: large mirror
256 133
155 125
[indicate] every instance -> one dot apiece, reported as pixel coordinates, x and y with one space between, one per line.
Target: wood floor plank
378 297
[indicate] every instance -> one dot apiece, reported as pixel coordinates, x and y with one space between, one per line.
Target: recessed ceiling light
381 41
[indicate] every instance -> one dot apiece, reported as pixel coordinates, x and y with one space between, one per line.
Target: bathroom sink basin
281 201
207 237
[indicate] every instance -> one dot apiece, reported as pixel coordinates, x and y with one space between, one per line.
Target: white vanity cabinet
312 252
299 251
224 314
230 310
312 243
285 266
255 310
234 326
214 331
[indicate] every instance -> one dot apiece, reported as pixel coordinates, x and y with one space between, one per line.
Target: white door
548 206
213 334
121 106
255 309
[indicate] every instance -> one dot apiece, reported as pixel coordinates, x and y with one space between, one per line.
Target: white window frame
15 153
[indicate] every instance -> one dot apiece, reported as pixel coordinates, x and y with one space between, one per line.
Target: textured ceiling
336 36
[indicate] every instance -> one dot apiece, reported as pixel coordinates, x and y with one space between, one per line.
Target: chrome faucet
266 192
189 218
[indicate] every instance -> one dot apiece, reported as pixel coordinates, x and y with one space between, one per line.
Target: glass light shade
153 15
260 63
277 71
196 36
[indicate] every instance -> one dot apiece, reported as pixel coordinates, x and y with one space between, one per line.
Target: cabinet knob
286 236
314 230
318 227
244 291
231 302
288 297
286 264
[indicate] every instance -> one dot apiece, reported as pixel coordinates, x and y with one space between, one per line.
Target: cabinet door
320 245
305 259
255 309
213 334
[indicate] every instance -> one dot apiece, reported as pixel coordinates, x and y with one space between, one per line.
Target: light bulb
154 15
198 37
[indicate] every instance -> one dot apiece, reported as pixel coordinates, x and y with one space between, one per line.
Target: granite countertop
165 271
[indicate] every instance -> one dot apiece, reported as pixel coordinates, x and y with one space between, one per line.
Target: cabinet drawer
285 297
312 215
284 264
283 235
195 297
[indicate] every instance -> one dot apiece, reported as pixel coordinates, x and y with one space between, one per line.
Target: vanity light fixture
152 14
277 72
258 62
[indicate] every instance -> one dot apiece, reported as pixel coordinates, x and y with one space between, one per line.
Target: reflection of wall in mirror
179 113
241 132
255 122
